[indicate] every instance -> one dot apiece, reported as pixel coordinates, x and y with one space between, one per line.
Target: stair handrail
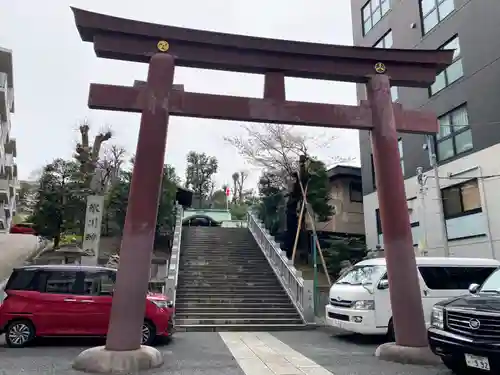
173 266
300 291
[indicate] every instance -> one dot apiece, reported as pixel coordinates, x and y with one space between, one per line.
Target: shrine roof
344 171
131 40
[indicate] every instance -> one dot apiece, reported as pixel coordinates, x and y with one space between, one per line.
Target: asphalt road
14 248
205 353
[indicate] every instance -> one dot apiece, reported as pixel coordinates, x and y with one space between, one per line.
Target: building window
373 172
373 12
401 159
455 136
451 73
415 230
356 192
379 222
386 42
433 12
461 200
394 93
453 278
63 282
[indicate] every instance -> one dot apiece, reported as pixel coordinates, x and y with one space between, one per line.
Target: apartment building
466 99
8 151
346 197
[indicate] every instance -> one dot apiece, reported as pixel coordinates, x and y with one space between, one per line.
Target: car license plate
339 323
477 362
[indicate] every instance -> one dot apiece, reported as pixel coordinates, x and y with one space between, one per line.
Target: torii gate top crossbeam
129 40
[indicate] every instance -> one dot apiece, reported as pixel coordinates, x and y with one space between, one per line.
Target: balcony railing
300 291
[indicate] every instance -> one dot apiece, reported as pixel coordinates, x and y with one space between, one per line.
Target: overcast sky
53 69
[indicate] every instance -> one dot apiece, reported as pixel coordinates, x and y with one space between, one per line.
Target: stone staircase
226 283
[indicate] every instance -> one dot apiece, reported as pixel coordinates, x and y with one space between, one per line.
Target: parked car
70 300
360 302
465 331
24 228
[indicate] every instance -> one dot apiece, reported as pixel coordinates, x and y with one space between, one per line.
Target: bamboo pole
297 233
313 225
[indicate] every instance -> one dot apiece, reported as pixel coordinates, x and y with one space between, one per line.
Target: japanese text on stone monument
93 219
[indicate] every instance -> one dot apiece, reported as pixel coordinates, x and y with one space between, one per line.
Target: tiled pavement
231 353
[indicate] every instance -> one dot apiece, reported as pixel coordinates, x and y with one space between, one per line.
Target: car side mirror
473 288
383 284
170 304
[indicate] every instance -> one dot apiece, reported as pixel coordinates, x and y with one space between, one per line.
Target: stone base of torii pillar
407 355
99 360
123 353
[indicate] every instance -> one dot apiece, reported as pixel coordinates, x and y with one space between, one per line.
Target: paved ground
206 353
14 248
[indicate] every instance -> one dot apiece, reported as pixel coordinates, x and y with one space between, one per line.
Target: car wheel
19 333
148 333
391 335
455 364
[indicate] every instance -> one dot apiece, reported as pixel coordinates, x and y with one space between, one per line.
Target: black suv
465 331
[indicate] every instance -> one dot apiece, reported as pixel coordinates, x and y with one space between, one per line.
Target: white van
359 300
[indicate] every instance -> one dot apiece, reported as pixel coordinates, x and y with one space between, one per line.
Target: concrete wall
348 217
481 229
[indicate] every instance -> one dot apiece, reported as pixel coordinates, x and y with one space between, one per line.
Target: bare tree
277 148
88 154
241 184
239 179
110 164
236 180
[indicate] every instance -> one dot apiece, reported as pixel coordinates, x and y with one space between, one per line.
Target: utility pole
442 220
423 224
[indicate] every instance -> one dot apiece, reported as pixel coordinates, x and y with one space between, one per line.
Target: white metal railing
300 291
173 266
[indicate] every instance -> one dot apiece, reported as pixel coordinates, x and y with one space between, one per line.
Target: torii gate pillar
402 274
123 349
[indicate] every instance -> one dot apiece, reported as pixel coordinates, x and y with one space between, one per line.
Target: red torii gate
163 47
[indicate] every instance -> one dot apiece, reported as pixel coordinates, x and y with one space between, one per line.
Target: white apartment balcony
4 196
3 97
6 84
10 150
4 185
9 158
8 204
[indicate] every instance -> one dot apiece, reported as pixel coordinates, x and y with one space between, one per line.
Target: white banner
93 219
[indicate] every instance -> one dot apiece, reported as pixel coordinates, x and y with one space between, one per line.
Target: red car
71 301
24 228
